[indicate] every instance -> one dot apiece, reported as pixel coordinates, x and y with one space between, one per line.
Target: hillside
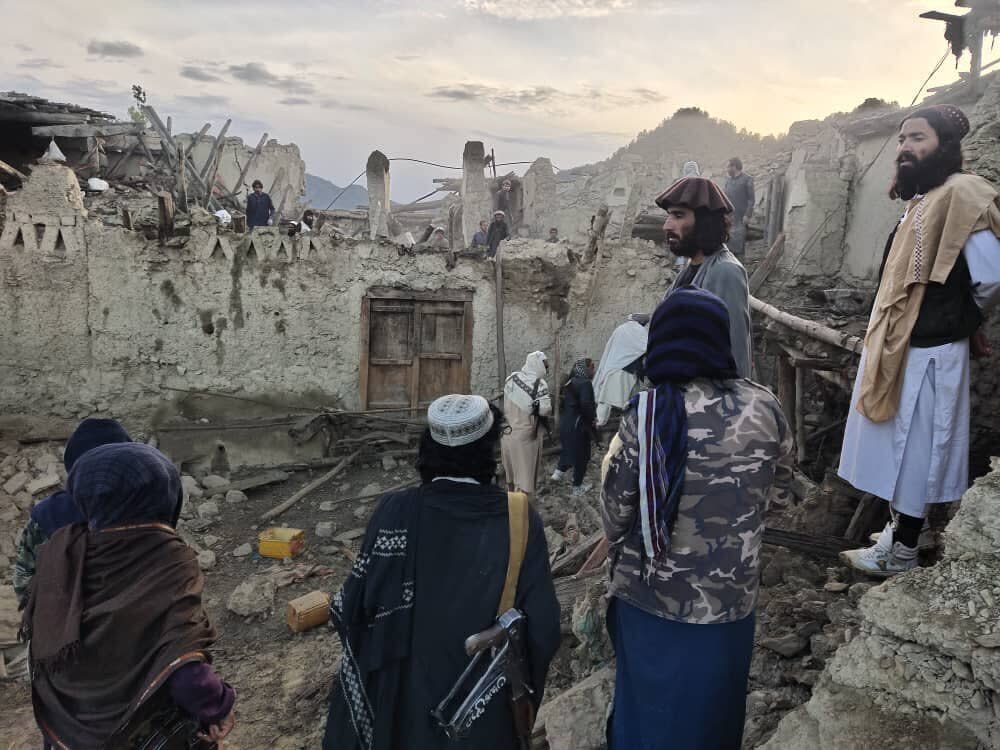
319 193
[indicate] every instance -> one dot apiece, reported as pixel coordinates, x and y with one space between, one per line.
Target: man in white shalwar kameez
526 402
907 434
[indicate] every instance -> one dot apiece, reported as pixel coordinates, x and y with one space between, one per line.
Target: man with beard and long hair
907 434
696 228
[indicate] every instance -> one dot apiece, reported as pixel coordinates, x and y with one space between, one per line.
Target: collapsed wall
101 319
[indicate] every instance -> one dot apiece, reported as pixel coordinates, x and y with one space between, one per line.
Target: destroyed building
212 340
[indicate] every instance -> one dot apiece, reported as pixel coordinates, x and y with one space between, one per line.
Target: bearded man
907 434
696 228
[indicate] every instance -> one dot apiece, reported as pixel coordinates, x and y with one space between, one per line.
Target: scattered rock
210 540
244 550
16 483
24 500
327 506
836 587
252 597
214 482
349 536
370 489
200 524
236 497
858 590
208 510
43 483
325 529
554 539
788 645
206 559
576 718
191 487
388 463
361 511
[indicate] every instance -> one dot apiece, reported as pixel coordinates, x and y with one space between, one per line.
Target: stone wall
105 321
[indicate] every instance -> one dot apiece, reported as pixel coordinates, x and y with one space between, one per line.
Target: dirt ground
282 679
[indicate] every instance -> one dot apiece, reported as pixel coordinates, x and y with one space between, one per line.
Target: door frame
440 295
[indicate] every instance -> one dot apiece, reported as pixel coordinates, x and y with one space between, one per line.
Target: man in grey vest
739 190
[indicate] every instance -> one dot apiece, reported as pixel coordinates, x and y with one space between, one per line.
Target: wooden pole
501 349
248 165
282 507
812 329
182 201
214 158
786 388
800 413
168 144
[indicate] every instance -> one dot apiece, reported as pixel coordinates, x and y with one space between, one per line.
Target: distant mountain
320 192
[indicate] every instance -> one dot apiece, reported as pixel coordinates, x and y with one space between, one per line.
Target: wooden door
415 346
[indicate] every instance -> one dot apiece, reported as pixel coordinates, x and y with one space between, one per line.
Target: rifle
507 669
539 419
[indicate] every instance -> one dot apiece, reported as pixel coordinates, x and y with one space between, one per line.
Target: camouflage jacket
739 453
29 540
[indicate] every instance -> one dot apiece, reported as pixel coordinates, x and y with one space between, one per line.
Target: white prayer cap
458 419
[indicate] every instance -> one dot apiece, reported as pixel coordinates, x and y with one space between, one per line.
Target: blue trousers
678 686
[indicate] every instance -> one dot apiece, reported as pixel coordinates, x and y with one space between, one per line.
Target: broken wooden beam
85 130
810 328
255 480
165 203
282 507
570 561
8 169
246 167
812 545
767 265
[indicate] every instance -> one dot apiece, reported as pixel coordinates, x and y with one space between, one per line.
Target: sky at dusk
569 79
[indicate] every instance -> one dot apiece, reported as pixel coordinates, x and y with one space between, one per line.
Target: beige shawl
927 243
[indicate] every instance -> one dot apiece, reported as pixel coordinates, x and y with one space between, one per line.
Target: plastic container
308 611
281 543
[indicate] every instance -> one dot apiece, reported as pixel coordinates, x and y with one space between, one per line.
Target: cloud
334 104
114 49
535 10
295 101
205 100
38 63
257 75
544 97
563 141
198 74
406 58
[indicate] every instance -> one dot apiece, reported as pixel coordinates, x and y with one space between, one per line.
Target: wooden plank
248 165
214 158
123 159
798 359
165 203
182 196
364 343
870 515
8 169
168 146
440 295
800 416
767 265
821 547
498 293
417 338
277 181
282 507
570 561
87 130
249 483
571 588
467 349
786 389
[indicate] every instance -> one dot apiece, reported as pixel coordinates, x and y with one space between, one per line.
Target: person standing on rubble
527 406
496 234
430 573
739 190
576 426
696 228
686 484
119 637
260 209
59 510
907 434
479 238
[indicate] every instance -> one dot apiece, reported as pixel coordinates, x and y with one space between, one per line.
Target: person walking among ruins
907 434
527 406
260 209
479 238
59 510
685 536
696 228
496 234
739 190
576 426
430 573
119 636
620 368
505 200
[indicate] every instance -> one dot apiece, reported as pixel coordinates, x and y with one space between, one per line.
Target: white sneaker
880 562
558 475
926 541
582 489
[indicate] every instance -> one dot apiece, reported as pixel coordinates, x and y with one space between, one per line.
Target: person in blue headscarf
58 509
686 484
119 637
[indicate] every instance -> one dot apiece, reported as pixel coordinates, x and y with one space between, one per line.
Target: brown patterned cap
946 119
695 193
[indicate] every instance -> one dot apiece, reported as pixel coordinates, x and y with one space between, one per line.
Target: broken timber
282 507
810 328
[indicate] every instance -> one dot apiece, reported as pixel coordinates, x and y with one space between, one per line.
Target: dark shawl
429 574
114 608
